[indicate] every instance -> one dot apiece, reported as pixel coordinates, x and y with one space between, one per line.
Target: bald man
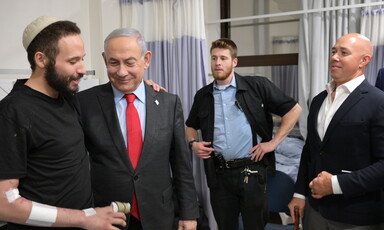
341 175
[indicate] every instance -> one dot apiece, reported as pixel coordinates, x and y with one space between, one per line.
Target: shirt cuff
297 195
335 185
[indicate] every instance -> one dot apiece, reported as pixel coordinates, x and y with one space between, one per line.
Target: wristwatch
190 143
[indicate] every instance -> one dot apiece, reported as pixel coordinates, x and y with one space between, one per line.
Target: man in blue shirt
234 116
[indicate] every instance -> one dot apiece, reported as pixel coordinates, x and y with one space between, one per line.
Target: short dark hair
225 43
47 40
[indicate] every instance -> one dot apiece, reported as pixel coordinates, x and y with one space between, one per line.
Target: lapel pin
157 102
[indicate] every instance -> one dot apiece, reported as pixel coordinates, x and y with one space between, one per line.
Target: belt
221 163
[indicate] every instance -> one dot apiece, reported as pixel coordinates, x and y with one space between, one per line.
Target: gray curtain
179 66
286 78
372 23
318 32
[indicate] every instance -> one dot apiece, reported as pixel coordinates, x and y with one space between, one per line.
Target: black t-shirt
42 145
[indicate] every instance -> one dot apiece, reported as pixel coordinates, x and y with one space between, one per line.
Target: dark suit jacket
380 79
164 165
354 141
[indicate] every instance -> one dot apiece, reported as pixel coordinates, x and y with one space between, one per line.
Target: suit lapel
316 105
107 105
152 106
352 99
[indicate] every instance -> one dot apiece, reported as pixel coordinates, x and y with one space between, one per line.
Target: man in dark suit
164 166
341 172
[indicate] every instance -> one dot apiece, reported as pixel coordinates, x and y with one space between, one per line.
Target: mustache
78 77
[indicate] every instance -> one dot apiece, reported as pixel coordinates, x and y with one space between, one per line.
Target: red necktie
135 141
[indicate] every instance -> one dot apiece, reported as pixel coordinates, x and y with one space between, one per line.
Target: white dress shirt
328 110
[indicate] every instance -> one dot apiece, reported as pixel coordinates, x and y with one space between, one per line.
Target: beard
222 75
60 82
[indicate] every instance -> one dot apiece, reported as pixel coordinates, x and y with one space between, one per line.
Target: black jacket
257 97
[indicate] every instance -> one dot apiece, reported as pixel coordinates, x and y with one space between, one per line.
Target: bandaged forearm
40 215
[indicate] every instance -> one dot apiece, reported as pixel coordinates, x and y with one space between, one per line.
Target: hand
104 219
154 86
261 149
187 225
322 185
300 203
201 149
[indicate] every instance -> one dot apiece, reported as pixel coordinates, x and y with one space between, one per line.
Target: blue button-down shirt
121 105
232 131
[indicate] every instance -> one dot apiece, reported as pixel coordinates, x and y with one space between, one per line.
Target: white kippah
35 27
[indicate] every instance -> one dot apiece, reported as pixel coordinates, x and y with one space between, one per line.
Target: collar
222 88
139 92
240 84
349 86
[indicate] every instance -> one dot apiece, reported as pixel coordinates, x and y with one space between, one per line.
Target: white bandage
42 215
89 211
12 195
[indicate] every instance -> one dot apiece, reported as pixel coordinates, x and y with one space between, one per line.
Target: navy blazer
164 167
354 141
380 79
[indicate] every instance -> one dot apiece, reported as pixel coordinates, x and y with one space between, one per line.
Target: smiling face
125 64
65 72
222 65
350 56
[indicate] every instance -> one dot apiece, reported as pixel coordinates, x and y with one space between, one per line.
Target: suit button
135 177
321 153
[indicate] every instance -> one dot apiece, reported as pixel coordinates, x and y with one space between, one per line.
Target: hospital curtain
175 34
317 34
286 77
372 23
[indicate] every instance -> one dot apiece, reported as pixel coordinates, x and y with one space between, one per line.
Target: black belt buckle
221 163
228 162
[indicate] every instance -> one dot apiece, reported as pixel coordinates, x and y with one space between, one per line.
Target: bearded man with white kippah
44 166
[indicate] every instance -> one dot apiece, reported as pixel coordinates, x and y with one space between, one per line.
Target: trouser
235 195
313 220
134 224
